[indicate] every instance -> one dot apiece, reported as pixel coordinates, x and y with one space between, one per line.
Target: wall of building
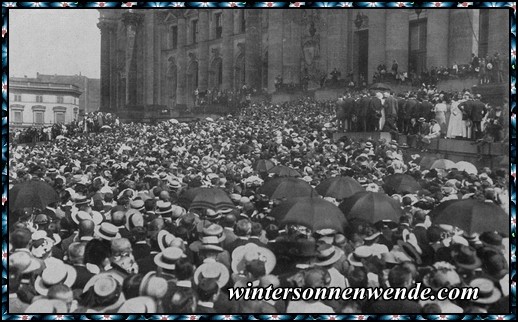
140 67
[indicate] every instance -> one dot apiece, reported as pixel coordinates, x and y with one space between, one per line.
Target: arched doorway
239 74
169 88
192 81
216 73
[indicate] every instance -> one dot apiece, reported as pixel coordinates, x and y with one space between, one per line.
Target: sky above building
54 41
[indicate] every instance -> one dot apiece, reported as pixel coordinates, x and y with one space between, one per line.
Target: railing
41 85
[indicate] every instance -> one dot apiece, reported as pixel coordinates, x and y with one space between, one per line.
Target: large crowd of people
121 236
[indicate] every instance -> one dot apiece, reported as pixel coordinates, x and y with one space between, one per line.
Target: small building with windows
33 103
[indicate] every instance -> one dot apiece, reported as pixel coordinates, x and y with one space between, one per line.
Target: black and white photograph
259 161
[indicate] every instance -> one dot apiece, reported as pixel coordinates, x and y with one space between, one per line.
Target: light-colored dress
455 124
440 116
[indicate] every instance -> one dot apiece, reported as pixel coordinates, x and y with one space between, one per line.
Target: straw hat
360 253
212 270
168 257
328 254
140 304
487 292
55 275
107 231
250 252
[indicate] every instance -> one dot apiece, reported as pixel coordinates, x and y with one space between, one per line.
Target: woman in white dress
440 110
455 123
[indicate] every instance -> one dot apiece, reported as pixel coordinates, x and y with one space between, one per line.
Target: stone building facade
33 103
90 100
159 57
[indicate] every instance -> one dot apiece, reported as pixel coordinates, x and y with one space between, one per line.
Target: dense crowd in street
164 218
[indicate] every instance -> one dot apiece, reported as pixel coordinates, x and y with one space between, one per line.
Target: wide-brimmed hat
174 184
106 285
212 270
466 257
46 306
492 238
360 254
251 252
488 293
421 119
24 262
107 231
210 243
177 211
81 200
54 275
134 219
372 236
137 204
168 257
140 304
213 230
328 254
165 239
411 251
442 278
152 285
163 208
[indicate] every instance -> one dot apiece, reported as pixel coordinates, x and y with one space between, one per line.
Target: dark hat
494 263
466 257
492 238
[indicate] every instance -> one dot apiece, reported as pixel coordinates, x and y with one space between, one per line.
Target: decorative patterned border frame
6 6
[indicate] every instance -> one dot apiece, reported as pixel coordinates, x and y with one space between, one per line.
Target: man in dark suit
402 118
243 230
350 107
478 110
412 107
391 112
374 113
208 292
341 114
76 252
426 109
363 109
466 106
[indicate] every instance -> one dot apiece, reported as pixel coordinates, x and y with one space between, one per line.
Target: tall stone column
253 49
377 36
203 33
132 21
227 48
396 39
275 39
106 30
464 33
149 50
113 68
437 27
498 40
181 96
291 46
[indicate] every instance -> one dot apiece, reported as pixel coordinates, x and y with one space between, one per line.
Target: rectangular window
174 37
60 99
39 99
38 118
17 98
59 118
17 115
219 27
194 31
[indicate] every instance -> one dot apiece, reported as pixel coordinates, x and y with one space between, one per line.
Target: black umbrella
263 165
472 216
279 188
312 212
401 183
32 194
211 198
339 187
372 207
284 171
